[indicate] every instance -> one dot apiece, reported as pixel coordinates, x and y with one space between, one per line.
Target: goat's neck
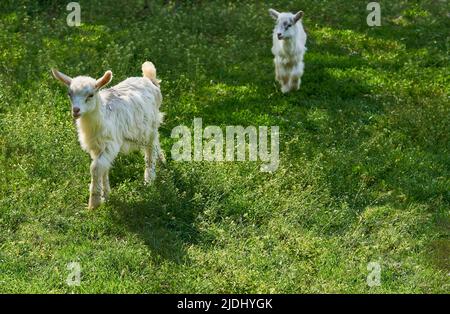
91 123
290 44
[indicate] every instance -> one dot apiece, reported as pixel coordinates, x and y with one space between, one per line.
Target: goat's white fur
122 118
289 40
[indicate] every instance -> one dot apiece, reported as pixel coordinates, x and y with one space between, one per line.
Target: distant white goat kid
119 119
289 41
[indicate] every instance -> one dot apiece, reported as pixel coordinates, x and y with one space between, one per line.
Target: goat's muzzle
76 112
280 36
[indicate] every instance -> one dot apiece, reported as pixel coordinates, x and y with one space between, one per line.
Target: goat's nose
280 35
76 110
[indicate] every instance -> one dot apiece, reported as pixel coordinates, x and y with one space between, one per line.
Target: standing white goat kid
119 119
289 41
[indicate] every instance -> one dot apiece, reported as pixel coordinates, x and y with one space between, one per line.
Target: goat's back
132 91
132 109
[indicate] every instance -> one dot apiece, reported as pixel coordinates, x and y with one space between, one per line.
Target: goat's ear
298 16
273 13
105 79
62 77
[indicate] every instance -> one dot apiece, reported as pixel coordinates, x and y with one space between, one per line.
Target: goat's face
285 26
82 94
83 91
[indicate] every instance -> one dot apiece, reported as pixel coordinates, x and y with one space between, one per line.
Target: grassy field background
364 169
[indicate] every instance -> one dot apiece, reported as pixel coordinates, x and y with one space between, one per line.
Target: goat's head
83 91
285 27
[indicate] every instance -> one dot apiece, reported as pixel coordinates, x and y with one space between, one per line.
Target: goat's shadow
161 215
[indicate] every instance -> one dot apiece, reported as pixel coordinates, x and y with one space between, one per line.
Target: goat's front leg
277 72
99 171
285 86
95 188
105 186
295 83
297 74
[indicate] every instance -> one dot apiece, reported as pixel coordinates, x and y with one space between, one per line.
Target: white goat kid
289 39
119 119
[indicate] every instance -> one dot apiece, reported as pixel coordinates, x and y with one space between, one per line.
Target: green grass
363 176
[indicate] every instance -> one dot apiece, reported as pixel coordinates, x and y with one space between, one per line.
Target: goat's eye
289 25
90 96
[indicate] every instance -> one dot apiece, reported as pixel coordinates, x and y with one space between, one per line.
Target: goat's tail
149 71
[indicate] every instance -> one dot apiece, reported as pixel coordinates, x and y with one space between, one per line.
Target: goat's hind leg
159 151
151 153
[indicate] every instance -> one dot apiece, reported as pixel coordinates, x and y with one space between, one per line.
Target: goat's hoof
94 201
105 197
93 207
149 176
162 159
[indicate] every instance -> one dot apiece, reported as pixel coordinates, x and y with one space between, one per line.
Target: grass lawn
364 151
